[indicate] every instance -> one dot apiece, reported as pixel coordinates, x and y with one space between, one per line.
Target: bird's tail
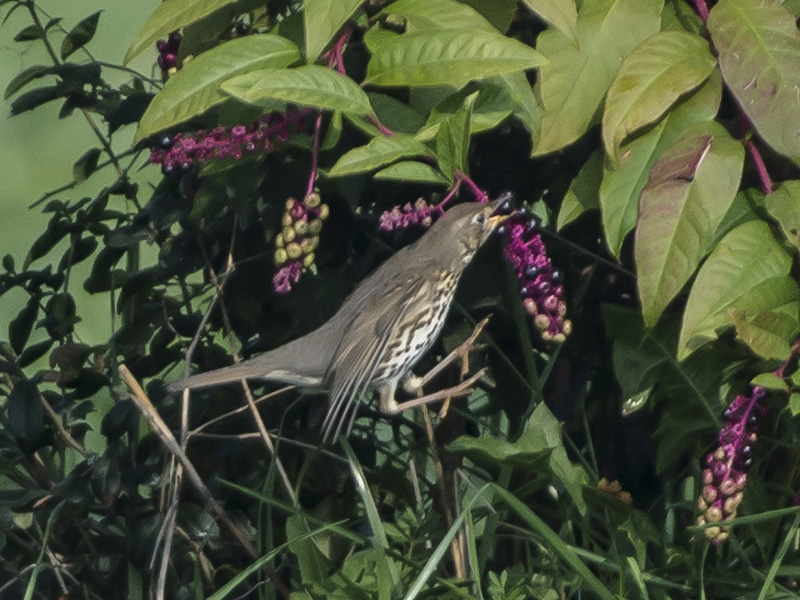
246 370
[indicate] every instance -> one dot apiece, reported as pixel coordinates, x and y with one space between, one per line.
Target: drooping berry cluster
178 153
726 467
295 244
420 213
540 284
168 52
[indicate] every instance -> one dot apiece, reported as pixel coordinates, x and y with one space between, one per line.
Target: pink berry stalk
182 151
725 475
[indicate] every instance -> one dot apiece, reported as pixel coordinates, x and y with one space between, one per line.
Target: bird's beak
495 221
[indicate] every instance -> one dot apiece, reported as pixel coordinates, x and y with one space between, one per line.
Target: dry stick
148 411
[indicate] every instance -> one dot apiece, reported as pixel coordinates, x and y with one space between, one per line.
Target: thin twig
241 409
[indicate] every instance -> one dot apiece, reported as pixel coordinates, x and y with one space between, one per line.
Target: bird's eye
480 218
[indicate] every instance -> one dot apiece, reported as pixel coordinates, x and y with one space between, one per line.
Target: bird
382 329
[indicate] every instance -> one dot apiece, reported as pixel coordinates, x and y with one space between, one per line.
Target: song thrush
383 328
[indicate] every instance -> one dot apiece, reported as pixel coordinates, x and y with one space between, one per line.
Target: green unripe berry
287 220
315 227
308 260
542 322
290 204
309 244
281 256
293 250
301 227
324 211
312 200
288 234
279 242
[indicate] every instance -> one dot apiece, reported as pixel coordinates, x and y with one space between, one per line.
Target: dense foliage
644 447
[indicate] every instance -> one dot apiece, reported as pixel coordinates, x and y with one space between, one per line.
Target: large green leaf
169 16
769 333
421 15
322 20
525 107
759 56
659 71
582 194
378 152
309 85
623 184
196 88
747 274
783 205
690 189
452 139
448 56
561 14
572 85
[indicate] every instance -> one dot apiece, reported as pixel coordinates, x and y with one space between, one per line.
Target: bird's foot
460 353
462 389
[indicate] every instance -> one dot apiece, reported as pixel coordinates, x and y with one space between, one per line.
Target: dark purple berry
161 46
249 146
167 169
727 414
162 61
532 271
502 230
746 451
165 143
746 464
174 40
534 222
752 420
524 290
184 166
556 276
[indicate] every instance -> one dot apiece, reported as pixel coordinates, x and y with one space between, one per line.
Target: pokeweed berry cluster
178 153
420 213
297 241
168 52
725 475
540 284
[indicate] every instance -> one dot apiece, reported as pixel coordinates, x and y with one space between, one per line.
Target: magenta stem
702 9
782 369
761 168
479 194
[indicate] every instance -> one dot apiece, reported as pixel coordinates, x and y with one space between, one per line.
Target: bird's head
464 228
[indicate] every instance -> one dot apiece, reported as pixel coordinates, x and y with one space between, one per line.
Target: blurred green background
37 150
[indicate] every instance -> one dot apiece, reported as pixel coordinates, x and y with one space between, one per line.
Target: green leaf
309 85
310 560
770 381
679 15
394 114
29 34
500 13
452 140
659 71
24 78
769 334
622 186
759 55
196 88
170 16
25 415
412 171
21 326
794 404
80 35
422 15
561 14
690 189
584 192
86 164
322 19
783 204
748 271
492 106
380 151
525 107
448 56
571 87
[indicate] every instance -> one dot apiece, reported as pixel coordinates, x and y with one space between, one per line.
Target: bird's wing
364 346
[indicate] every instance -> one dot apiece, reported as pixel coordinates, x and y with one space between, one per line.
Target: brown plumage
382 329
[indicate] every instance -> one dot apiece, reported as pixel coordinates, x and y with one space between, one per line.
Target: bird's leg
462 352
390 406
